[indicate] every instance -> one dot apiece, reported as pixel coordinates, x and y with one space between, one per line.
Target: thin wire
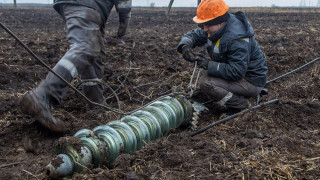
126 76
191 79
190 86
195 84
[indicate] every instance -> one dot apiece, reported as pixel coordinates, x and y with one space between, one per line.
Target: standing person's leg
85 55
86 45
123 7
124 19
233 94
92 86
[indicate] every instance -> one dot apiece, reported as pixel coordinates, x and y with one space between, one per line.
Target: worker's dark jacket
104 7
233 49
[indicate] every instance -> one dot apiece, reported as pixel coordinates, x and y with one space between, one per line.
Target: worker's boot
236 104
231 111
231 104
37 103
95 94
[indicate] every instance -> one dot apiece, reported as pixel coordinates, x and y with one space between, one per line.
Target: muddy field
280 141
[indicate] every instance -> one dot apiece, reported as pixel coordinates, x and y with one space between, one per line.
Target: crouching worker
85 24
238 69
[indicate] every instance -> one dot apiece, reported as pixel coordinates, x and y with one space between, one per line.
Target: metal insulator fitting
72 159
187 107
65 167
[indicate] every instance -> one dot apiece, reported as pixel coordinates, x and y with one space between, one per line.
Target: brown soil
280 141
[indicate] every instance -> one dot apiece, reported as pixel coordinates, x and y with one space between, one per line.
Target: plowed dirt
280 141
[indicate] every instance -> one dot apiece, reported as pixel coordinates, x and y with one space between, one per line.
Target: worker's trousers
85 33
233 94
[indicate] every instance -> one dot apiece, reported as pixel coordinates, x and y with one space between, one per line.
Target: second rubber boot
95 94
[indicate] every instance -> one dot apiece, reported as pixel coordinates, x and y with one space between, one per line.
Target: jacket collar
217 35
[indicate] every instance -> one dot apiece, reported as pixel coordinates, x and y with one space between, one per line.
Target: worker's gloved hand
187 53
202 62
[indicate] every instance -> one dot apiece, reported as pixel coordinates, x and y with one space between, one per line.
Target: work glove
187 53
202 62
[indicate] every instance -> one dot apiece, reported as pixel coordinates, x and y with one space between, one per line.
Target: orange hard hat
210 9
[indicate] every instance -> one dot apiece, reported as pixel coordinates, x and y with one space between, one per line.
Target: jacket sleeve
193 38
124 10
235 68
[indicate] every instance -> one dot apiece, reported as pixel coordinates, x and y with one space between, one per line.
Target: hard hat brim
200 21
212 21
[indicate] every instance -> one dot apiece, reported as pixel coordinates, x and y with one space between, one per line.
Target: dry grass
271 164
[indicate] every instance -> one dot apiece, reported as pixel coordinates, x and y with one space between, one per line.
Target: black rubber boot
228 111
95 94
37 104
231 111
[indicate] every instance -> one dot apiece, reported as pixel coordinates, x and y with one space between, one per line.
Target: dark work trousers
85 33
218 89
